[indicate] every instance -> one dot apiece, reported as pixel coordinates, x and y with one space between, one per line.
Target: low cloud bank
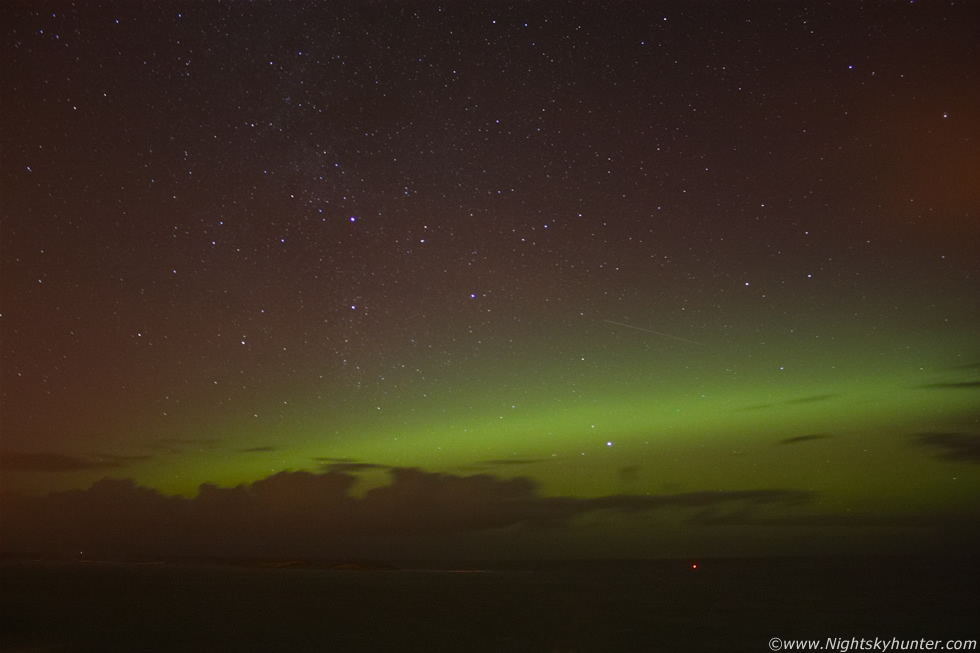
315 514
418 514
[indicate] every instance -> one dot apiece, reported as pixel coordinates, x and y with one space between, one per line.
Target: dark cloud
347 465
510 461
954 447
805 438
912 533
802 400
812 399
954 385
967 366
121 459
352 467
51 462
315 514
257 450
711 499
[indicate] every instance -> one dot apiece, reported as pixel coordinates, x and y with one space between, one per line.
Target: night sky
592 279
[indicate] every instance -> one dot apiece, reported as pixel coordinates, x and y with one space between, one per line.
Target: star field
626 249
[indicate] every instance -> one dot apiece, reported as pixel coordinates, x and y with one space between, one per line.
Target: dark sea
723 605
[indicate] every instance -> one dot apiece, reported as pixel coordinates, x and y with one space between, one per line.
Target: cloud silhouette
953 447
966 366
805 438
257 450
315 514
51 462
352 467
789 402
812 399
504 462
120 458
954 385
